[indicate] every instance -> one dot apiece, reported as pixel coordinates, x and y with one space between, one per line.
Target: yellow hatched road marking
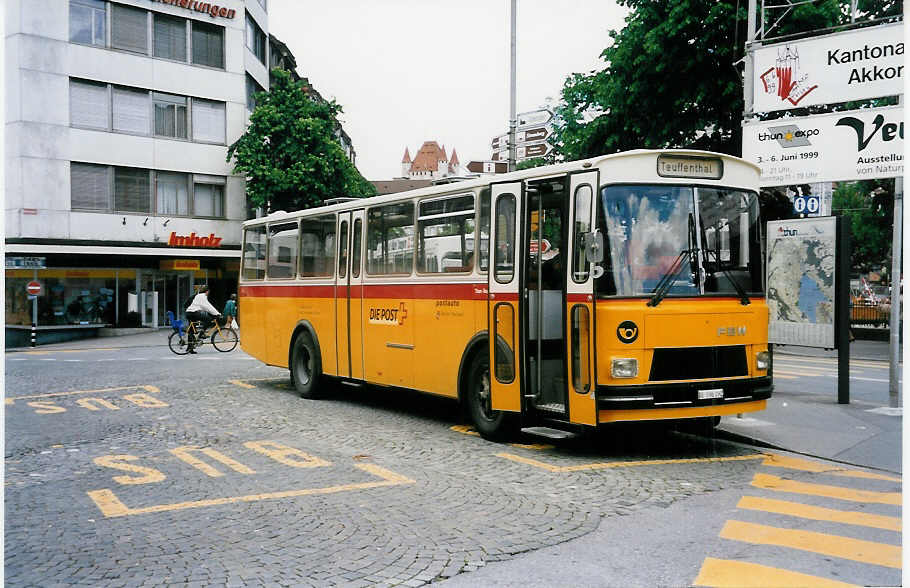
469 430
150 389
795 463
871 552
725 573
622 464
241 383
770 482
818 513
111 506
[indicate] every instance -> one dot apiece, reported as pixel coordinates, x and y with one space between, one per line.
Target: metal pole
513 122
747 60
895 322
34 341
842 322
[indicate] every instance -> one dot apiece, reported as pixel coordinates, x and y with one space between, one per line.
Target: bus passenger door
355 297
504 300
342 296
580 301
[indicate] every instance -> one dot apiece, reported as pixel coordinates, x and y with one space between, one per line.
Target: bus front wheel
491 424
306 367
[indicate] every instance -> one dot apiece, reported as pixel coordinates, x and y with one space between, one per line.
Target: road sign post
33 289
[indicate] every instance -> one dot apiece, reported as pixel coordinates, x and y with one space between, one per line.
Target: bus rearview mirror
594 246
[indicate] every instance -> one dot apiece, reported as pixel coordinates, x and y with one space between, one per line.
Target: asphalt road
131 467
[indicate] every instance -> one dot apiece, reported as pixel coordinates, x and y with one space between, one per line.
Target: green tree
869 205
670 78
289 153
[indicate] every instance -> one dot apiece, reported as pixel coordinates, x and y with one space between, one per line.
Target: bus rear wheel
491 424
306 367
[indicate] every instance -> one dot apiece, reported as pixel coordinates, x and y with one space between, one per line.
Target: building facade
430 163
119 198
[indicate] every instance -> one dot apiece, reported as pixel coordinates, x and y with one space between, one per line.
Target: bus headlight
624 367
762 360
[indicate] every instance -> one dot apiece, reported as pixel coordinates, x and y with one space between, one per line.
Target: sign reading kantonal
801 280
851 145
854 65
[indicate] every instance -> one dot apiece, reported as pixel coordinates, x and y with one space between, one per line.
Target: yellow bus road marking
465 430
111 506
769 482
725 573
871 552
151 389
795 463
817 513
241 383
469 430
622 464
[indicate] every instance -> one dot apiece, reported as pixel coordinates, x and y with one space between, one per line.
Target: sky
409 71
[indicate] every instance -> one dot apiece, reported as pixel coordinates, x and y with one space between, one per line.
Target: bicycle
222 339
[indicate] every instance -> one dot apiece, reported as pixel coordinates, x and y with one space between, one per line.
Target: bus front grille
697 363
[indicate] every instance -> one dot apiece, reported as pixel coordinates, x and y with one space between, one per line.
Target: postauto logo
788 136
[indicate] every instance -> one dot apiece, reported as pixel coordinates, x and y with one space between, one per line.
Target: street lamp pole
513 118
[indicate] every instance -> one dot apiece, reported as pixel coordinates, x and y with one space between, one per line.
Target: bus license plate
709 394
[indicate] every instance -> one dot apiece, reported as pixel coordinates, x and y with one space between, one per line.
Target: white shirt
201 302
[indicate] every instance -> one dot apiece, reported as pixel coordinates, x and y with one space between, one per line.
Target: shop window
90 186
171 193
89 105
208 199
131 189
446 235
170 115
317 246
282 251
390 239
255 39
170 37
208 121
208 44
253 261
129 28
130 110
88 22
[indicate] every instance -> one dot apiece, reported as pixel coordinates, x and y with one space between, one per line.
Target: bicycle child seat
175 322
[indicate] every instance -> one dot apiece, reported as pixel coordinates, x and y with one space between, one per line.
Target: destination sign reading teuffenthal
681 166
212 10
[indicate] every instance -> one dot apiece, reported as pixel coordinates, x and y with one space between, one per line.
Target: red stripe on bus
579 298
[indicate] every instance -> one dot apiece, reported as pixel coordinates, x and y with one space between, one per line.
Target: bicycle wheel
224 339
177 344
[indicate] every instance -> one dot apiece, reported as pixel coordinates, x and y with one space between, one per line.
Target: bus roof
345 203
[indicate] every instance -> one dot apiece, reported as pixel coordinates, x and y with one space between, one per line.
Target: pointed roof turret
442 153
454 159
407 156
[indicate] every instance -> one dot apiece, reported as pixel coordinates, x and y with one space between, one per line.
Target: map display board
801 281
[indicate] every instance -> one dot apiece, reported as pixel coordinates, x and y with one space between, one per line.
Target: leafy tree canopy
869 205
289 153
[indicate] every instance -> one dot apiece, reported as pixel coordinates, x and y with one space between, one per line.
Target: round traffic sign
33 288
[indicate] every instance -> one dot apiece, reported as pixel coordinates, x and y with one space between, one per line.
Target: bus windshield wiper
663 286
743 297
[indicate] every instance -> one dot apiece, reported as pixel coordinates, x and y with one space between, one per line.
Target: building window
88 20
170 37
170 115
264 5
208 44
255 39
171 193
129 28
208 198
131 110
208 121
89 105
131 189
90 187
251 88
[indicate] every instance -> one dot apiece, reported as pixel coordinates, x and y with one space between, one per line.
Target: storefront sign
179 264
193 240
855 65
212 10
852 145
26 262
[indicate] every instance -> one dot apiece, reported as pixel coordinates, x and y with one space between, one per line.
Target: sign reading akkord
851 145
854 65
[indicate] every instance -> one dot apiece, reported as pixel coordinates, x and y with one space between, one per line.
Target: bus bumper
680 400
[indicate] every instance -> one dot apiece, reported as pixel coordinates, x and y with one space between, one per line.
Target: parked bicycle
223 339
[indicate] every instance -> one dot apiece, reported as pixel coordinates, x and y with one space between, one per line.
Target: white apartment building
119 115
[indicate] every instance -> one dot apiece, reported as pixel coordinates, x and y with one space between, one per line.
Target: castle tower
406 164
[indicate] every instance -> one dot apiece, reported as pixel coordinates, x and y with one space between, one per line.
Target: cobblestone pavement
208 473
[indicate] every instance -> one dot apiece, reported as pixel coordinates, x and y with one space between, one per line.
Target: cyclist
200 309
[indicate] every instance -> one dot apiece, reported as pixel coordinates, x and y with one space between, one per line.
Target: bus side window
483 231
317 246
355 249
254 253
343 250
282 260
505 239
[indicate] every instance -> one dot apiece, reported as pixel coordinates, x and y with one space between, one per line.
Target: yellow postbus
625 287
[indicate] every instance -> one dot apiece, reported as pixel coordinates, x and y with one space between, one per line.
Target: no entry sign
33 288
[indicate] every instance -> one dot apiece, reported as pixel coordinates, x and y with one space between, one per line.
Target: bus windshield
652 233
